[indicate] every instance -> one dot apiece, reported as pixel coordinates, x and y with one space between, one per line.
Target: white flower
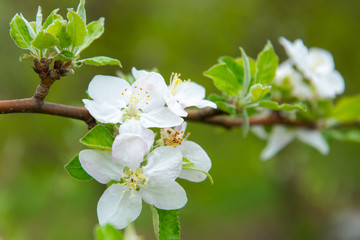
114 100
317 65
281 136
121 203
197 161
183 94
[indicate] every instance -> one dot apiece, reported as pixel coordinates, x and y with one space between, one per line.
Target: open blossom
115 100
281 136
154 183
317 65
197 161
183 94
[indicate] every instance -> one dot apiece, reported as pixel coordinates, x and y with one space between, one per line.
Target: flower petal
297 52
108 89
279 138
315 139
160 118
103 112
155 85
99 165
129 150
167 195
138 73
118 208
175 106
164 164
195 154
133 126
328 85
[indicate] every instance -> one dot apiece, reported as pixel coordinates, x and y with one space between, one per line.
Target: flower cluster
140 167
311 76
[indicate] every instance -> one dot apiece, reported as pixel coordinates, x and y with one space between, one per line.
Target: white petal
328 85
155 85
315 139
190 90
200 103
103 111
129 150
133 126
118 208
181 128
164 164
259 131
99 165
169 195
321 60
297 52
195 154
108 89
160 118
175 106
138 73
279 138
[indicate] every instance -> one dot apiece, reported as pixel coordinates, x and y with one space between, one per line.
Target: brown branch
209 116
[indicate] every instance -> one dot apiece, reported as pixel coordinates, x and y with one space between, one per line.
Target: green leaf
76 28
236 68
65 56
347 109
94 30
246 123
98 138
19 32
166 224
258 91
223 79
101 61
25 56
349 136
285 107
81 10
52 18
75 169
57 28
247 73
38 22
44 40
222 103
266 65
29 27
108 232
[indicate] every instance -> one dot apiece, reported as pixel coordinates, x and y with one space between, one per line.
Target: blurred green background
297 195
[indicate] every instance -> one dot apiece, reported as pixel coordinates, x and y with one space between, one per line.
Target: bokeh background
299 194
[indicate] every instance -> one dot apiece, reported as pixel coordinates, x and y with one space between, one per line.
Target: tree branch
209 116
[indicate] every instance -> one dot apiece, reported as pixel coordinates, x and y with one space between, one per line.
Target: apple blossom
121 203
197 163
115 100
317 65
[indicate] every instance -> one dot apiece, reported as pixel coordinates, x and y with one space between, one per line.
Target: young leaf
81 10
57 28
94 30
19 32
223 79
98 138
75 169
52 18
266 65
76 28
25 56
65 56
347 109
222 103
286 107
246 123
101 61
166 224
247 73
258 91
235 68
29 27
44 40
38 22
108 232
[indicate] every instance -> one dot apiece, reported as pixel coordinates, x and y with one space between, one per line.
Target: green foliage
108 232
98 138
166 224
348 136
266 65
222 103
44 40
247 73
94 30
258 91
236 68
100 61
76 29
285 107
20 32
347 109
75 169
223 79
57 28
